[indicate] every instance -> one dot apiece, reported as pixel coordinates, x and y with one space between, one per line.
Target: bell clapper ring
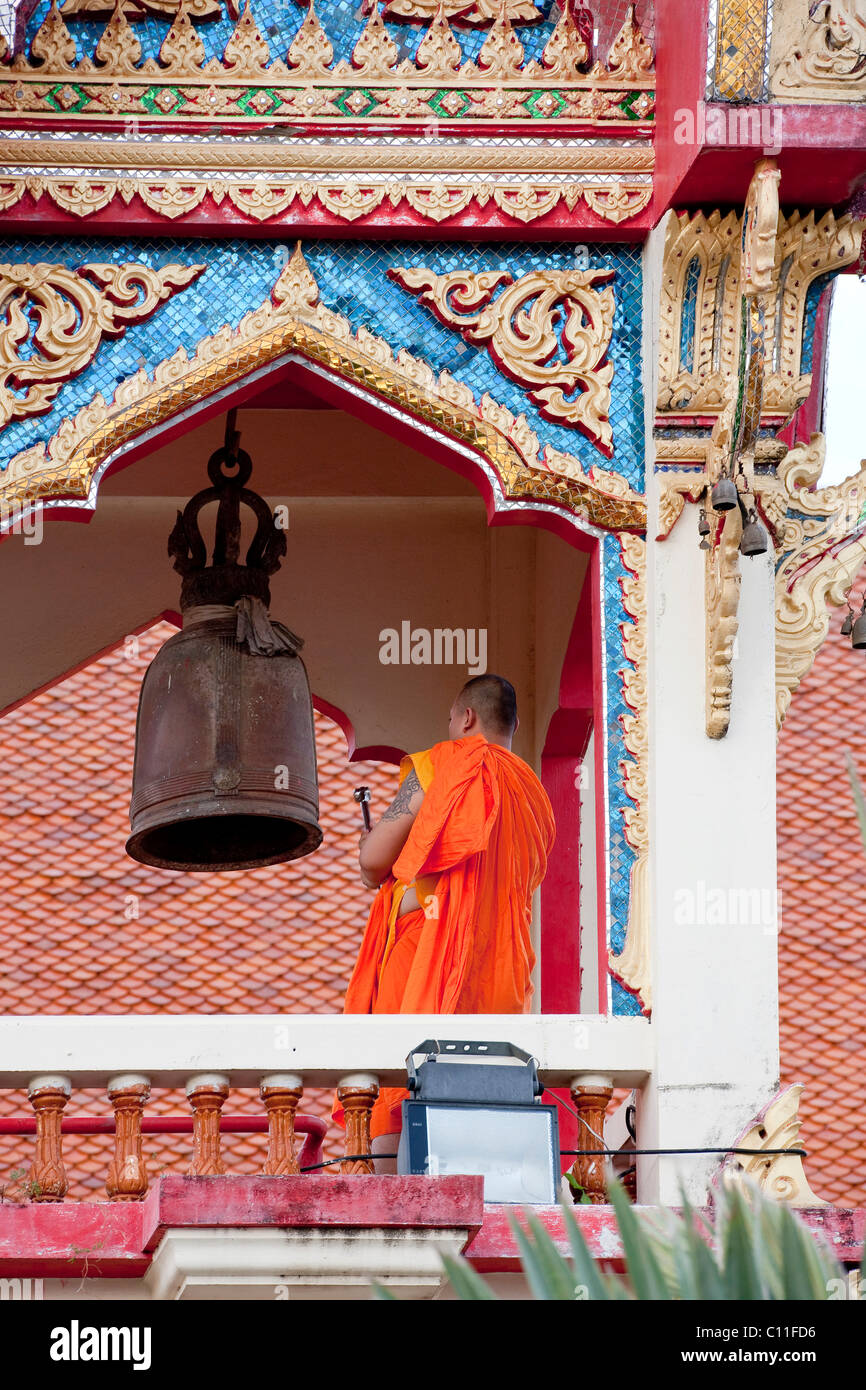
362 796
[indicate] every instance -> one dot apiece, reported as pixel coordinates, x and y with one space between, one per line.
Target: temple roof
84 929
822 942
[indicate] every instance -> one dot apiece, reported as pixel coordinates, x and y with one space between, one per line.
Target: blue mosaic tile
813 296
688 316
280 20
621 856
352 278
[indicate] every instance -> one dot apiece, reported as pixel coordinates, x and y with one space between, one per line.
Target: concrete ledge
170 1048
108 1240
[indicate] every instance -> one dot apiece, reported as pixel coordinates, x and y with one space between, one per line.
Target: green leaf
701 1277
466 1281
807 1266
549 1275
859 798
382 1294
641 1261
741 1254
586 1270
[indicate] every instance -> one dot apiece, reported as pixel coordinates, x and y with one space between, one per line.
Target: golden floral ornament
475 12
311 51
821 548
695 378
294 321
633 965
630 55
519 330
55 319
438 53
825 57
176 197
722 600
778 1174
196 9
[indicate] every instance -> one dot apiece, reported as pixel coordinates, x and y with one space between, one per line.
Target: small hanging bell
858 631
847 623
754 539
703 529
724 496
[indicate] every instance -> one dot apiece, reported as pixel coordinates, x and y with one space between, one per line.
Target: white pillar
712 858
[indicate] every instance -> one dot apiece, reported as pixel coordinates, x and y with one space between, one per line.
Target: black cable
346 1158
580 1153
627 1153
585 1153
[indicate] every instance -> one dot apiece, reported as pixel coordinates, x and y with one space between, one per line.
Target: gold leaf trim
293 320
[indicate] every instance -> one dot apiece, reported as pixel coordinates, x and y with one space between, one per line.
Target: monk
454 860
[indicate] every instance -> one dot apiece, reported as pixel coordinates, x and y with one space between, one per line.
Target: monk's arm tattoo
400 805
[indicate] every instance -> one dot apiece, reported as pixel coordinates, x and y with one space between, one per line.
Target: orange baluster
591 1102
281 1094
127 1172
48 1096
357 1095
206 1094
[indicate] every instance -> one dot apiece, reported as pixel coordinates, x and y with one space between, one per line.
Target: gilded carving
633 965
821 547
196 9
464 11
695 378
780 1175
502 52
118 49
565 50
519 330
247 53
293 320
555 89
438 53
722 598
375 54
176 197
630 55
182 51
310 53
60 317
824 59
53 46
617 202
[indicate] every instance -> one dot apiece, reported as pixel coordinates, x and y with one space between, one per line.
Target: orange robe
477 851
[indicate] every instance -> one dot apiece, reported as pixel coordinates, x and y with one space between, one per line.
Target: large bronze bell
225 753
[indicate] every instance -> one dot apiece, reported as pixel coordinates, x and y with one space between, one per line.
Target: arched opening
380 535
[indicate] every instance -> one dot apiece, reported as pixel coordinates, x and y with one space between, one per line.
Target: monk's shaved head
494 701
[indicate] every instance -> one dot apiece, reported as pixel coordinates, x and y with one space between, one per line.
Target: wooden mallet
362 796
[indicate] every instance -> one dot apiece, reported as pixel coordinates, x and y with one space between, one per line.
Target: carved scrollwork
518 329
697 382
62 315
474 12
630 55
196 9
821 548
826 59
293 319
780 1175
633 965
